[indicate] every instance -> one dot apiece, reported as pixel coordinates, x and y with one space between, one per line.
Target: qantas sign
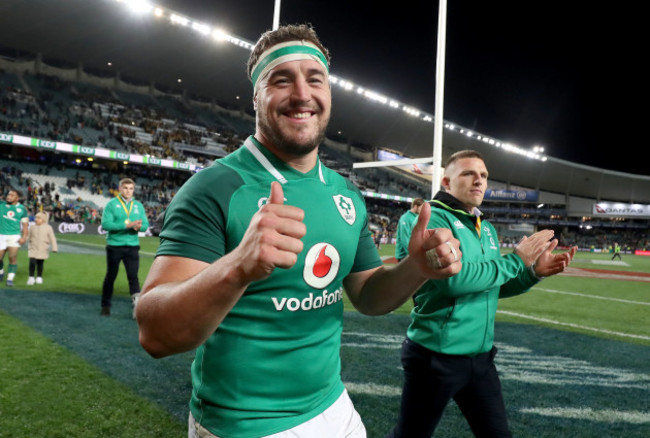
619 209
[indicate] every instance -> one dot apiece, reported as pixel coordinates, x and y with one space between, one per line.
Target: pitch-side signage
511 195
620 210
81 228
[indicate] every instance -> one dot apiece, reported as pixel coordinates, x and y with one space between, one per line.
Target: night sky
529 73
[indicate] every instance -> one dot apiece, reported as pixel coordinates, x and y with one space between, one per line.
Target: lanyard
127 211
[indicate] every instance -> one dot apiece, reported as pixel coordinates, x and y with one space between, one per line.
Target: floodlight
201 28
140 6
219 35
177 19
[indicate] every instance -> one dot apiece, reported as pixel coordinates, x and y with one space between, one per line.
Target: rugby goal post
438 121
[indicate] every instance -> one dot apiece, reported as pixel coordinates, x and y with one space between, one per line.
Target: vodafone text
310 302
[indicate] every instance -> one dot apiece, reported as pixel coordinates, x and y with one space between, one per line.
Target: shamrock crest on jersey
346 208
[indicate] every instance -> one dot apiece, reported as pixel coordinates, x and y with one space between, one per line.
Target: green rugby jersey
274 361
404 229
10 217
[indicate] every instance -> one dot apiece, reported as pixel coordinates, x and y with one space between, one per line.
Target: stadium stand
92 113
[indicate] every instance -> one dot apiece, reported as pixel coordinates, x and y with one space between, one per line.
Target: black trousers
432 379
35 265
130 255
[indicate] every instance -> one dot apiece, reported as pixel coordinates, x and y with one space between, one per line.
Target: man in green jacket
448 352
123 218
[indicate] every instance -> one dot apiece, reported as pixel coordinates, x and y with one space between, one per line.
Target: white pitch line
568 324
97 245
602 415
619 300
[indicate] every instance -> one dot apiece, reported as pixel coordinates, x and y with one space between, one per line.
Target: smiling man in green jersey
255 251
14 224
449 352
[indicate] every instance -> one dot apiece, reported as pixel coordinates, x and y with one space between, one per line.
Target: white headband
285 52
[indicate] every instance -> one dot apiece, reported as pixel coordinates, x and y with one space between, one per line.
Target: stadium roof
143 47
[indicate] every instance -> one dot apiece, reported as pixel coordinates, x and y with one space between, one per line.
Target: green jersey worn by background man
255 252
14 225
404 226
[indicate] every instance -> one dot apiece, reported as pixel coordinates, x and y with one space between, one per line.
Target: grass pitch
573 356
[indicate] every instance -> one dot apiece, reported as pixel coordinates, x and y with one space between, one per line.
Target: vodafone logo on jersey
322 263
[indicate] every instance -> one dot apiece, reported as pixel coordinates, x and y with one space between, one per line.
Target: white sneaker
30 281
39 280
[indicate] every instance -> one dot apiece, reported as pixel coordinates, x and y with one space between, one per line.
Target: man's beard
294 148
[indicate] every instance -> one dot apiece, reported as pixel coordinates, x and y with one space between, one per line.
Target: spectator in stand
41 239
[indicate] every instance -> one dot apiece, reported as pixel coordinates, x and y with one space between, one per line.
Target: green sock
13 268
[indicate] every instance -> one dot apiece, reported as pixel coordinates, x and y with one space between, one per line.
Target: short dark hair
282 34
16 191
417 201
467 153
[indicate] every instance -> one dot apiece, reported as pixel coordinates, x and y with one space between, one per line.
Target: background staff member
449 352
122 219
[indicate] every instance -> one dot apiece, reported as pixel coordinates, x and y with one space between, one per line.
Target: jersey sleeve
195 221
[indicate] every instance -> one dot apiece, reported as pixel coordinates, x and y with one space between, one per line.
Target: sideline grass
558 381
47 391
83 271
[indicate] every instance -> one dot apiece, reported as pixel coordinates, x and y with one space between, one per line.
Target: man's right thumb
423 218
277 194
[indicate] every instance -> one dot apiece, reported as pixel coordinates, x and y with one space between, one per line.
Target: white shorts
9 241
340 420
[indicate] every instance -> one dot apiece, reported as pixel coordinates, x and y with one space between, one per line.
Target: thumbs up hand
436 251
272 239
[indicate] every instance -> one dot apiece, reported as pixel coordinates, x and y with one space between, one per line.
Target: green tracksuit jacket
456 316
114 219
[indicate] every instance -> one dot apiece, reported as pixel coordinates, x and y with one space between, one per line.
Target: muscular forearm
179 316
385 289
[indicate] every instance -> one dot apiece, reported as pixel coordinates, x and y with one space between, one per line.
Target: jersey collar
276 167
